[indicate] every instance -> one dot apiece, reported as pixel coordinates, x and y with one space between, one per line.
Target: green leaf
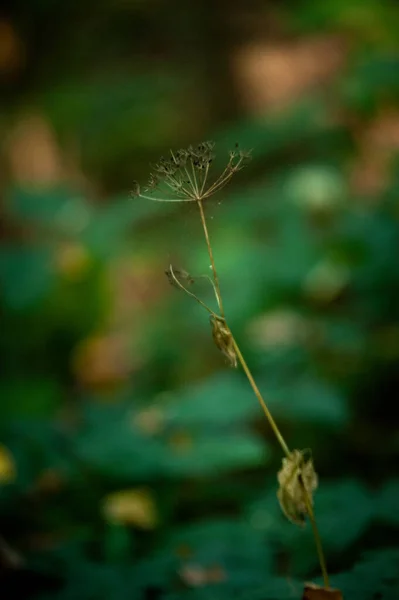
222 399
241 552
387 502
307 399
111 444
376 575
212 454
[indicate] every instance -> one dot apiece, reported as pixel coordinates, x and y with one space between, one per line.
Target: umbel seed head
184 176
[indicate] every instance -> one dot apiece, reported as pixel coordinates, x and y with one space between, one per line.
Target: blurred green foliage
133 462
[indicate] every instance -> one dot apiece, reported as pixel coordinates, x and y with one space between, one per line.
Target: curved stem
182 287
166 199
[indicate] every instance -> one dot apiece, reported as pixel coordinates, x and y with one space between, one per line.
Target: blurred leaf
58 208
387 503
30 398
269 135
110 443
344 510
374 576
307 399
212 454
371 81
242 553
26 275
222 399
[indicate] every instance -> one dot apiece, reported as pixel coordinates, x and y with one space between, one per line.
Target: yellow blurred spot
7 466
150 420
73 261
131 507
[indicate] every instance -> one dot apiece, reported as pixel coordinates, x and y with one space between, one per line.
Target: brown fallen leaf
315 592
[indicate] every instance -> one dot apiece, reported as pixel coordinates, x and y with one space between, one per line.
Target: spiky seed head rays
185 175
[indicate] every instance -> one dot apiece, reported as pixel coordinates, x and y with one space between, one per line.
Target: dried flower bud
297 478
176 276
224 339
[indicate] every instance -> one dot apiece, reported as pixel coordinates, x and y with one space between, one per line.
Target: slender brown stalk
316 535
263 404
189 185
259 396
208 243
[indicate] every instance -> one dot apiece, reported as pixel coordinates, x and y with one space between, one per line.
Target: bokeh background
134 463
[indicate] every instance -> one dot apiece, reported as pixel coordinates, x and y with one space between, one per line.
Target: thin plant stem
259 396
284 446
195 190
316 535
208 243
182 287
166 199
272 423
205 177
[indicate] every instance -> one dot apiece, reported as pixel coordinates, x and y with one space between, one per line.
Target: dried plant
186 177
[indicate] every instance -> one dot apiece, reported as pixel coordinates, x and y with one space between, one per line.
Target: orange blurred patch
377 144
33 153
272 75
103 361
12 53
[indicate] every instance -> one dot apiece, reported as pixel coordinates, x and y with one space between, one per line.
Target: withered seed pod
223 339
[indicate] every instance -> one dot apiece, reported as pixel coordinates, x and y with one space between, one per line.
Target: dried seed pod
297 479
176 276
224 339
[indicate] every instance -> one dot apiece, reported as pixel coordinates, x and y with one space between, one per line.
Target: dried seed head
176 276
185 174
223 339
297 479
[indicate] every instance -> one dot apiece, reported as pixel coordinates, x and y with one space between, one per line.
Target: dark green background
110 381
